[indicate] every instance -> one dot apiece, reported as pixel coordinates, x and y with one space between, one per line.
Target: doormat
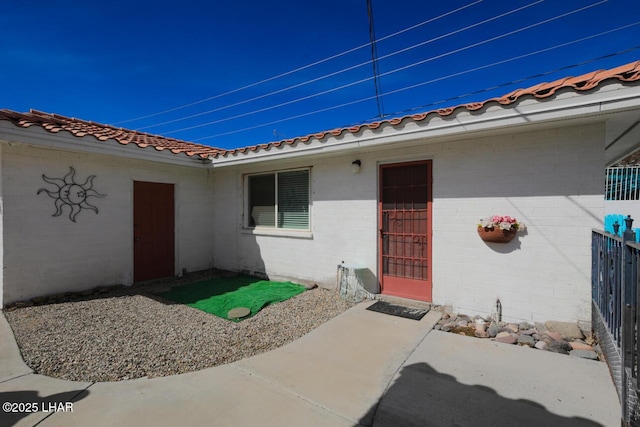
398 310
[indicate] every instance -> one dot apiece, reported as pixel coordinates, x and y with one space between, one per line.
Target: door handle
136 239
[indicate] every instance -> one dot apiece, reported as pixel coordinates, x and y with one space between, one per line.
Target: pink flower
503 222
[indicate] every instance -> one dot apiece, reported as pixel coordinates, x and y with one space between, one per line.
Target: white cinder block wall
46 255
343 218
551 179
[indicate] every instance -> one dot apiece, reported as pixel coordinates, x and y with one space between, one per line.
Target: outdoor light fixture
355 166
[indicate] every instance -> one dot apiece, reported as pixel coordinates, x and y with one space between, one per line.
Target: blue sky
113 62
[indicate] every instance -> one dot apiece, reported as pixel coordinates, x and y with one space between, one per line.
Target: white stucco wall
550 179
46 255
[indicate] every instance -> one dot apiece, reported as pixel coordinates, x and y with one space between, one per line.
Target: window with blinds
279 200
262 201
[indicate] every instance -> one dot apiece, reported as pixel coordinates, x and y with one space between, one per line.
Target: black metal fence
614 285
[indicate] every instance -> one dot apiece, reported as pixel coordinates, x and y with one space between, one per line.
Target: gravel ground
129 332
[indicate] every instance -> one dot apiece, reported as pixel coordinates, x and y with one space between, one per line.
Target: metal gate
615 312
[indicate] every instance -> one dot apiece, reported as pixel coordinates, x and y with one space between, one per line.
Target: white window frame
275 230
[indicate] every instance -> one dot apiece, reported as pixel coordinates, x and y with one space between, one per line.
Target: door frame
429 281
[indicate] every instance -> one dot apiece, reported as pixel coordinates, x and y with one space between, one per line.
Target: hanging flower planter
496 235
499 229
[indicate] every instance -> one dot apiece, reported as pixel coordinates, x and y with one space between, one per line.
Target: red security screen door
153 231
405 230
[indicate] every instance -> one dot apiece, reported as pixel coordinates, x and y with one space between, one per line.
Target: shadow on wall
422 396
249 258
519 164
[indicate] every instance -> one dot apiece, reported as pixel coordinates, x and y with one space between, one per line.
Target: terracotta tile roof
624 73
55 123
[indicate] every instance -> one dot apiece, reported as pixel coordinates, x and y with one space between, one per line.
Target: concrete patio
361 368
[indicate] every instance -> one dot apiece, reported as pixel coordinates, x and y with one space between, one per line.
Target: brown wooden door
405 230
153 231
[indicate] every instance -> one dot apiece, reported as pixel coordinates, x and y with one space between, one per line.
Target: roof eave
38 137
606 99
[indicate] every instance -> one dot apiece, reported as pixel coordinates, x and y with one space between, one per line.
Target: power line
304 67
517 81
307 82
489 40
450 76
261 110
374 59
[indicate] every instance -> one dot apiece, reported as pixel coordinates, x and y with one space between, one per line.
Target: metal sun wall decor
72 194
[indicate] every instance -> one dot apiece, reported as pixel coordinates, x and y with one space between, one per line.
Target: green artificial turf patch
218 296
